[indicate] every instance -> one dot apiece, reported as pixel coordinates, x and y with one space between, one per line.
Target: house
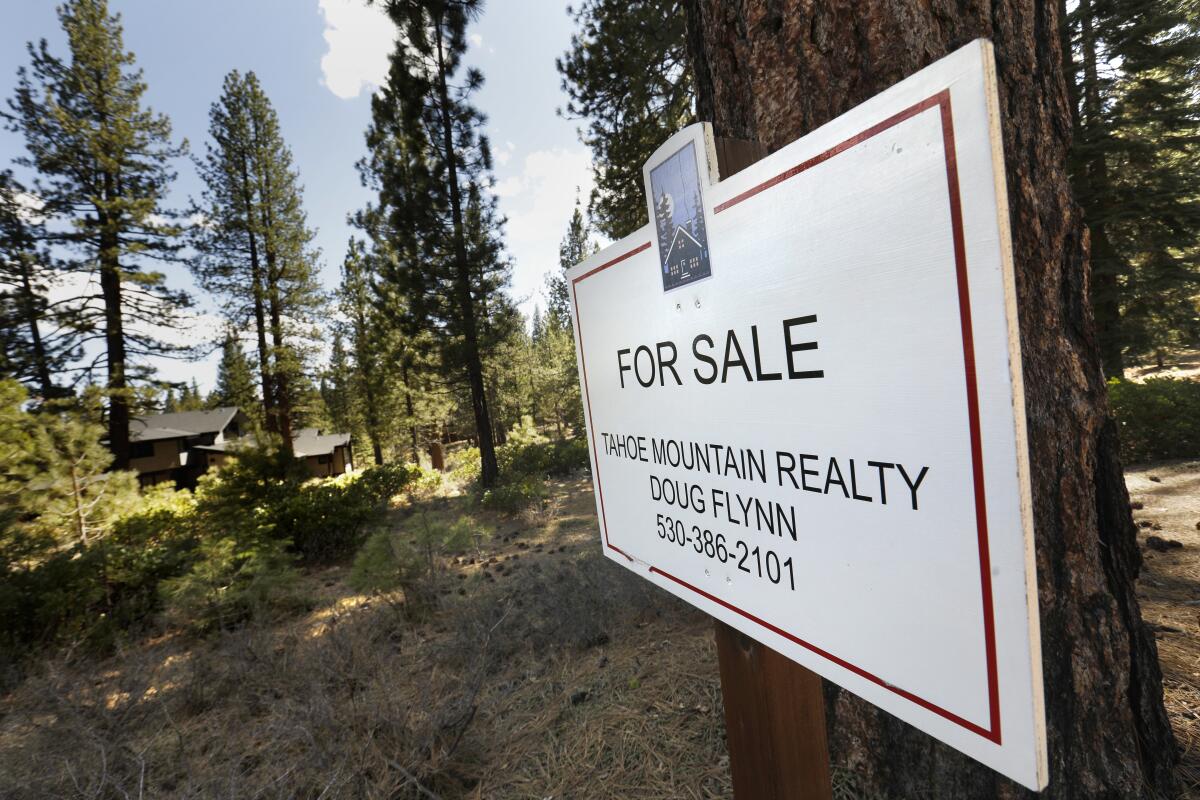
177 446
325 455
183 445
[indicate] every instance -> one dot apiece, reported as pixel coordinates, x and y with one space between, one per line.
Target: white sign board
804 404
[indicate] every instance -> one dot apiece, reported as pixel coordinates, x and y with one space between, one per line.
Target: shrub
376 565
154 543
410 558
525 433
257 518
1158 419
88 595
526 454
326 519
514 495
464 466
232 581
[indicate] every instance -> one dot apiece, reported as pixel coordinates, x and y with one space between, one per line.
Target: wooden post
437 457
774 722
774 708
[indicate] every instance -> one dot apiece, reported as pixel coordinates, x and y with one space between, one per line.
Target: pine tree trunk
272 276
772 70
410 411
283 399
489 471
1106 261
260 314
41 365
114 341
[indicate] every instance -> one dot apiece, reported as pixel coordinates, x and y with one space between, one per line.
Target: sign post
804 403
774 708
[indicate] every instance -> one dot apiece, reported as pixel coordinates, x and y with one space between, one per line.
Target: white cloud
360 39
475 39
504 153
538 202
509 187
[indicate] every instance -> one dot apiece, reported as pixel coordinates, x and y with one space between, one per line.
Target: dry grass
547 672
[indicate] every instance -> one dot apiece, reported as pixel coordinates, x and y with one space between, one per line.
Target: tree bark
273 276
489 471
29 307
260 314
774 70
114 339
409 410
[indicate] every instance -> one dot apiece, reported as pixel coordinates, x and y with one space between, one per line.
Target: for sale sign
804 404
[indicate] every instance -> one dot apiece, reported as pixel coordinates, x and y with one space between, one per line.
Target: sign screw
697 302
678 307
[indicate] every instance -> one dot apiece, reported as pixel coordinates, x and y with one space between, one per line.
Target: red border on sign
941 101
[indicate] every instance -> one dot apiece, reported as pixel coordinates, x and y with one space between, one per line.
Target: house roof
310 442
180 423
154 434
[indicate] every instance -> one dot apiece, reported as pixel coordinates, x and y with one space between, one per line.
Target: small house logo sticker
679 218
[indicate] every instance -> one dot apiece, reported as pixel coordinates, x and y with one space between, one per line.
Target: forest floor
547 672
1166 501
1182 364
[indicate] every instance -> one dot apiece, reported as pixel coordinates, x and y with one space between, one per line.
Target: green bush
259 515
155 542
410 558
88 595
512 496
464 466
326 519
1158 419
525 433
210 559
525 461
232 580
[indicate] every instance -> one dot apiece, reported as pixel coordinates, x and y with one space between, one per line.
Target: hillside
547 672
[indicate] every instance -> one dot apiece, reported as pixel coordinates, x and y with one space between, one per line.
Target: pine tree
628 76
20 544
256 248
431 165
557 344
307 403
40 339
373 345
337 387
75 496
1132 70
235 378
576 245
190 398
104 169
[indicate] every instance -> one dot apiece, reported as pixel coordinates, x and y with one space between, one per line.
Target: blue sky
319 61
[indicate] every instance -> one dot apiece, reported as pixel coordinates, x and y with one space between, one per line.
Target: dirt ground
1166 500
1181 364
547 672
